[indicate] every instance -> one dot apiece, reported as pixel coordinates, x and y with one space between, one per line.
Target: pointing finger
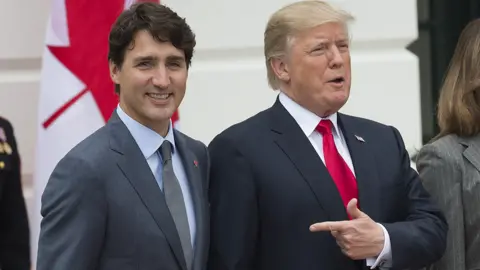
328 226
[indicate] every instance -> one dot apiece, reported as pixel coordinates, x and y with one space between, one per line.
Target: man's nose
336 59
161 77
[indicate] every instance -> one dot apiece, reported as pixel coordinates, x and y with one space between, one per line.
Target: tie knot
324 127
166 150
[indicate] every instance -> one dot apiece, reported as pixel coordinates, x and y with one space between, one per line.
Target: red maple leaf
89 24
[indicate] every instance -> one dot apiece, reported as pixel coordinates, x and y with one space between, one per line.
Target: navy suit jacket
268 185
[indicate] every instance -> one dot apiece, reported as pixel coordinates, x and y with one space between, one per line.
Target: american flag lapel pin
359 138
195 162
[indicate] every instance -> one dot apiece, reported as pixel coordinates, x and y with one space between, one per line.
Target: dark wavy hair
160 21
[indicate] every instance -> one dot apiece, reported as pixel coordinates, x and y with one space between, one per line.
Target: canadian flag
76 93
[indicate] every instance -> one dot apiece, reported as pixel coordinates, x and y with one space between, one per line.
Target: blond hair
458 107
284 24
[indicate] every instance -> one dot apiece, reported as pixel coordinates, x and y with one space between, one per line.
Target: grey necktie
176 204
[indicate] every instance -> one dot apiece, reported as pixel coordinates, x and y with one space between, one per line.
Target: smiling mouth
159 96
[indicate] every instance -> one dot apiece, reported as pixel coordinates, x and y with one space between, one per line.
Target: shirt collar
306 119
147 140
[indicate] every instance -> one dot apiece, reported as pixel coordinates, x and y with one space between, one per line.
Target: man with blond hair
301 186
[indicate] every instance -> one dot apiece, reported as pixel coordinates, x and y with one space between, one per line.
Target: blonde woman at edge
449 166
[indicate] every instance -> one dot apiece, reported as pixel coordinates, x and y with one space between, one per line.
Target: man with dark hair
133 194
14 231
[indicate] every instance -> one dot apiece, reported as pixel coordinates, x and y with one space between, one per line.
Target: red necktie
336 165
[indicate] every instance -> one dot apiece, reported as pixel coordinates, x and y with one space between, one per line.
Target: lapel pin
195 162
2 165
359 138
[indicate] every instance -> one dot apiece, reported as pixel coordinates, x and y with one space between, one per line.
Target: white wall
227 81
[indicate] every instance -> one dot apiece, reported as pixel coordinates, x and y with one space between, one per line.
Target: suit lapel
135 168
472 152
364 166
290 138
192 171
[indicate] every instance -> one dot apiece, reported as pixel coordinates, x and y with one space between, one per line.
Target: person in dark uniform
14 230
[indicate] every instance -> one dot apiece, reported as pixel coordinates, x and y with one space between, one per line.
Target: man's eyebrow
148 58
176 58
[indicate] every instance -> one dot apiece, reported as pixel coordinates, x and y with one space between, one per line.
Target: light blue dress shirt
149 142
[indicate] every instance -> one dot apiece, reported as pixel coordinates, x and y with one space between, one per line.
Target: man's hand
359 238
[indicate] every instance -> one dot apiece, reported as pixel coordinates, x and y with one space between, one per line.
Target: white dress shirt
308 121
149 142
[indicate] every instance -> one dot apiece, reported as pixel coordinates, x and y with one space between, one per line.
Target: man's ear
280 68
114 72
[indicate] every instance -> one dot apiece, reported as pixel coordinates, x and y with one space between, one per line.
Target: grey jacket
103 210
450 170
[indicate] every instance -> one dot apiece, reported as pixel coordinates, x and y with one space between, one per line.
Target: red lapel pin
195 162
